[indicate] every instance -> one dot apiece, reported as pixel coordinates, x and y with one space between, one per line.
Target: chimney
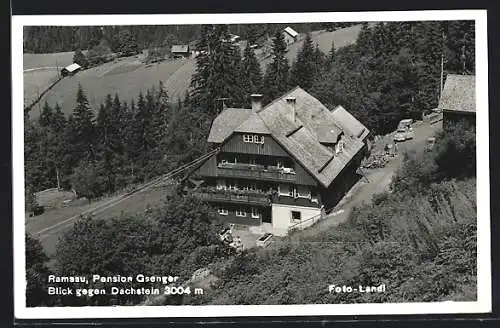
256 102
290 101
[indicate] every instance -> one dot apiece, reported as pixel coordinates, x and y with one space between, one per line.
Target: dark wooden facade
243 163
453 117
266 154
341 185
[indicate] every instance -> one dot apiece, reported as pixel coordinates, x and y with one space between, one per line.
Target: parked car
404 131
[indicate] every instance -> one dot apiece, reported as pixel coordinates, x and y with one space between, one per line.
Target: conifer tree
276 77
80 59
107 143
304 69
45 117
159 125
251 75
58 127
82 132
216 71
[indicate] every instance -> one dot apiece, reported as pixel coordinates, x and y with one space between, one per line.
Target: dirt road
378 181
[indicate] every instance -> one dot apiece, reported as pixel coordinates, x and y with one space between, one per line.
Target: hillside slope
128 76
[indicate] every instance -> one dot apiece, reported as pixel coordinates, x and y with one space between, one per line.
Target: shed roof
459 93
304 137
73 67
180 48
291 32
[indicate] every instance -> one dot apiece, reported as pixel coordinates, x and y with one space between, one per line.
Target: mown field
60 59
128 76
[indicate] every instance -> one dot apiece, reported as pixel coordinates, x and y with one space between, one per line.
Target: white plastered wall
282 215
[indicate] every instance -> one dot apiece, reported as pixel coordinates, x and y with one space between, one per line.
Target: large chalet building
281 164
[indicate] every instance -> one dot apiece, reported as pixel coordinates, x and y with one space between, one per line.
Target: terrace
296 201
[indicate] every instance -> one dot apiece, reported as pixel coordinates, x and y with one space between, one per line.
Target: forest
49 39
392 72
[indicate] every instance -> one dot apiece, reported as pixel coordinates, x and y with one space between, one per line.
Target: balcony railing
257 172
296 201
245 197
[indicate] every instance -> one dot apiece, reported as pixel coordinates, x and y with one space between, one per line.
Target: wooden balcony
254 172
240 197
296 201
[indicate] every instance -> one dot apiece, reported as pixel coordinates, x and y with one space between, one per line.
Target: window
223 211
296 216
258 139
253 138
241 212
286 190
303 192
255 213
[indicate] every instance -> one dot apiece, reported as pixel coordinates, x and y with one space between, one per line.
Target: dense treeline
47 39
123 144
419 240
393 71
153 244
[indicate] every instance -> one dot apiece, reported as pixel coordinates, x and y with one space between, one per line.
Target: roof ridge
279 98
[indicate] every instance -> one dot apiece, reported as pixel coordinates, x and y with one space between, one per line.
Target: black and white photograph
228 165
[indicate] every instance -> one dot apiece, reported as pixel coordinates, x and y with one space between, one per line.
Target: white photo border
484 293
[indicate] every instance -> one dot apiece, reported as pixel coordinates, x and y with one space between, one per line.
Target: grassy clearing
36 81
128 76
60 59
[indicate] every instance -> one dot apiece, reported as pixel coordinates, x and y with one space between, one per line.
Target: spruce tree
304 69
82 130
330 59
276 77
58 126
159 125
251 75
108 143
45 117
216 70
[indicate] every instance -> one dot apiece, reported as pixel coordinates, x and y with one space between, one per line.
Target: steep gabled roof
254 124
459 93
349 123
227 121
304 136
